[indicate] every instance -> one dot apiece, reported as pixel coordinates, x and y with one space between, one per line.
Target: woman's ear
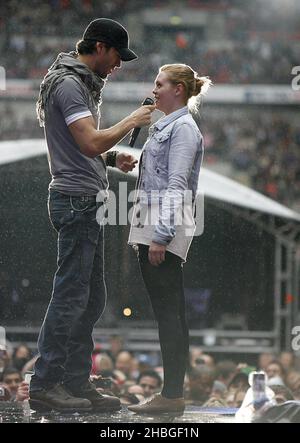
179 89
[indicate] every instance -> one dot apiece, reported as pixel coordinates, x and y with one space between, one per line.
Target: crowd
262 148
255 62
258 60
134 377
251 51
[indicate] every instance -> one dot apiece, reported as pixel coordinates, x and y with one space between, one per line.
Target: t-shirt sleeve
71 100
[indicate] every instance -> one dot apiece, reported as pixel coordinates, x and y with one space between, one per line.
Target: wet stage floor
17 413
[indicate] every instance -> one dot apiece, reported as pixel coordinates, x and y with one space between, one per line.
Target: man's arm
124 161
93 142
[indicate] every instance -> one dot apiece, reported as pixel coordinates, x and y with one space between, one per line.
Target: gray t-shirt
72 172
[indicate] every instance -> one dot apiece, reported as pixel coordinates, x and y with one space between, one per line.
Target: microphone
135 132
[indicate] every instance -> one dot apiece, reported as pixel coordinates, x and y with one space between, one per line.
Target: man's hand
142 116
23 392
156 254
125 162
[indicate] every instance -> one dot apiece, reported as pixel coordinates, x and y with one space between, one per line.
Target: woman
163 223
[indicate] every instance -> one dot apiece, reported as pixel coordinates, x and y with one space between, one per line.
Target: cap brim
127 54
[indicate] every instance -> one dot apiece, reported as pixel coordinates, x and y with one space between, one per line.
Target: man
68 109
125 364
200 384
12 379
150 381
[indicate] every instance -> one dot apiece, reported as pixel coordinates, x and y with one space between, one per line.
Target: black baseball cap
111 32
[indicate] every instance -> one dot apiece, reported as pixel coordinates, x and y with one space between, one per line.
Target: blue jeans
79 294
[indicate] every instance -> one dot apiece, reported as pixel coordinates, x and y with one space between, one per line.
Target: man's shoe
160 405
57 399
100 402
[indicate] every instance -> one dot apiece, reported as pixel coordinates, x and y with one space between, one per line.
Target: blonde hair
194 85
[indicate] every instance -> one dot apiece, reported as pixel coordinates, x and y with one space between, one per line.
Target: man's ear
100 47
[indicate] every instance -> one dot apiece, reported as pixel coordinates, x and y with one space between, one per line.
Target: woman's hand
156 253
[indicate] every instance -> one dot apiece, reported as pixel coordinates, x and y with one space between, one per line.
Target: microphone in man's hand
135 132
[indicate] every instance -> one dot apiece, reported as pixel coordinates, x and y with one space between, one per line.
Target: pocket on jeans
79 205
61 217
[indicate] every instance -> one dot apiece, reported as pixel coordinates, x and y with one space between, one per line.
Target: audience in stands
208 384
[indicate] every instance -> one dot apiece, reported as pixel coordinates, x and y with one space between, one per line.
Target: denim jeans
79 294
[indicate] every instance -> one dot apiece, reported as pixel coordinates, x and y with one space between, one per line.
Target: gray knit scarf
67 64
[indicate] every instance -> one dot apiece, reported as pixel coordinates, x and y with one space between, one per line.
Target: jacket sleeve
184 144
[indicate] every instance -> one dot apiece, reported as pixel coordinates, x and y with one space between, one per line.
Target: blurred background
242 276
236 44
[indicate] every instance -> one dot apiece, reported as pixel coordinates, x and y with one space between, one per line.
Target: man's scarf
67 64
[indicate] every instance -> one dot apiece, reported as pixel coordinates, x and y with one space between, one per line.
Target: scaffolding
286 235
